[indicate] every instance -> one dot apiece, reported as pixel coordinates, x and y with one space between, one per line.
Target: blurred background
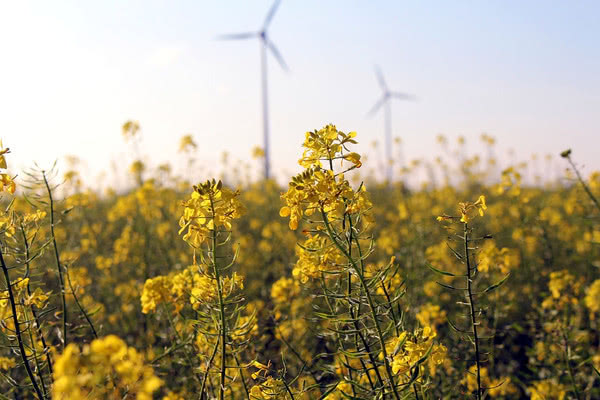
71 73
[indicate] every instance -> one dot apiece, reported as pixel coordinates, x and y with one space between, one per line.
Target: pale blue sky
71 72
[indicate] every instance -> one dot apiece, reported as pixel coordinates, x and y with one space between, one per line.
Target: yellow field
331 287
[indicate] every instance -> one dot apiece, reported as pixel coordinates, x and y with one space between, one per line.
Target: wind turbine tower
266 45
386 97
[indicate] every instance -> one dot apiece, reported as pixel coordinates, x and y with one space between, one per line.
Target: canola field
334 286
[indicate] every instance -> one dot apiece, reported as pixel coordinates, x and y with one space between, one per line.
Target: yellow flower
3 151
5 362
38 298
186 143
431 315
270 389
592 296
258 152
156 291
7 225
130 129
209 207
284 289
7 184
547 389
106 368
327 144
467 208
407 349
315 256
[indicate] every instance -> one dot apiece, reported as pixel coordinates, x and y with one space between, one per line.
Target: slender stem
341 343
180 340
240 371
169 351
414 386
221 303
18 328
296 354
87 318
287 388
57 258
35 357
355 318
369 300
472 307
210 361
38 325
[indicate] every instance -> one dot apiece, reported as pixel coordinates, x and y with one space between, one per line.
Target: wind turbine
387 115
266 45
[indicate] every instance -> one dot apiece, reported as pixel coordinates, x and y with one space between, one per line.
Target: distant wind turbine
387 114
266 45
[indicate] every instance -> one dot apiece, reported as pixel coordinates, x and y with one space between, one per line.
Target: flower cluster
548 389
592 297
270 389
492 258
564 290
328 144
106 368
317 189
187 287
407 350
495 387
468 210
210 207
313 190
7 184
317 256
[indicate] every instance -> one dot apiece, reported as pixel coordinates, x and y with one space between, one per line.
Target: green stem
57 258
210 361
414 386
472 308
35 357
18 328
38 325
355 318
221 303
585 186
369 300
180 340
339 338
237 363
87 318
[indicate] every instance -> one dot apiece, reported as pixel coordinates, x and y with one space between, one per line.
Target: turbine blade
377 106
237 36
403 96
380 78
276 54
271 13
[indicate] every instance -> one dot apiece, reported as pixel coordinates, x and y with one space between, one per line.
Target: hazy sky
71 72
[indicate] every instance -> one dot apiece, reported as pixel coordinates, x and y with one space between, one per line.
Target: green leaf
439 271
449 286
496 285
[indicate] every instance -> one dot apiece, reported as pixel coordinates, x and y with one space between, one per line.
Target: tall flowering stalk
214 296
17 300
358 300
208 213
468 211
